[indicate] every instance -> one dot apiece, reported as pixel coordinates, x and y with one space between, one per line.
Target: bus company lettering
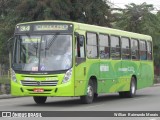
104 68
128 69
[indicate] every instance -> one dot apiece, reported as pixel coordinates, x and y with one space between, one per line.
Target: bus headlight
13 76
67 76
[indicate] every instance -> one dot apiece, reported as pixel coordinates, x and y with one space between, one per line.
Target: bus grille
38 83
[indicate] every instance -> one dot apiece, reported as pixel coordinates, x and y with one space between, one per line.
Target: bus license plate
39 90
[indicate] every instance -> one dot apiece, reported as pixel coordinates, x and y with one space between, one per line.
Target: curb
6 96
157 84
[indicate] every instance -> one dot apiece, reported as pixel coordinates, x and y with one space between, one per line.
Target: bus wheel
132 92
133 88
87 99
40 100
95 95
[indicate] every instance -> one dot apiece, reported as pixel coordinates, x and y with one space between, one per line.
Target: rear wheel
132 92
87 99
95 95
40 100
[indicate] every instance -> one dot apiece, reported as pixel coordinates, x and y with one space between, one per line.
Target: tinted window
149 50
143 50
134 49
92 48
125 48
115 47
104 46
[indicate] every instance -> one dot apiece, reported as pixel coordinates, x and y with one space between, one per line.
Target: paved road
147 99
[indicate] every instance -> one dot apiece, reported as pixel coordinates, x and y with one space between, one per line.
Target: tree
156 38
140 19
137 18
87 11
95 12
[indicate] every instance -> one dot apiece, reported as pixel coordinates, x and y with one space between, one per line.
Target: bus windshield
42 52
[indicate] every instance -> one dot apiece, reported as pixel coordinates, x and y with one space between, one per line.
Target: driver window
79 50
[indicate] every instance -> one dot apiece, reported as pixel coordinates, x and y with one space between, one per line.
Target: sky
121 3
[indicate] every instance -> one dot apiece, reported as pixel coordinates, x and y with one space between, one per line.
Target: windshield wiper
52 41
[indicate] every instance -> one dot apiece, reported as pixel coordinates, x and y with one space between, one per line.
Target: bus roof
99 29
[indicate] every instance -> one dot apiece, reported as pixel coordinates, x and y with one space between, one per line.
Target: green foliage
140 19
136 18
4 80
96 12
31 10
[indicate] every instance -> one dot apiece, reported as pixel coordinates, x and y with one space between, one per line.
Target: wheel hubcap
133 88
89 91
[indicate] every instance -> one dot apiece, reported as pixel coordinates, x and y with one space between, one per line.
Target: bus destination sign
50 27
23 28
44 27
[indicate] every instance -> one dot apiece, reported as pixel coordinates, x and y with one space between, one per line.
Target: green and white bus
63 58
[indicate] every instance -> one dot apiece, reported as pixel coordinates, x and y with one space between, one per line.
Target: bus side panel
83 73
107 76
146 74
118 82
150 76
129 68
80 79
92 70
111 78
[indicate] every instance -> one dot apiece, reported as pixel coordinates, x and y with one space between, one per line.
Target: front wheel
87 99
132 92
40 100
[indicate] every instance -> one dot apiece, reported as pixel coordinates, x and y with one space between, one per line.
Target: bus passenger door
80 63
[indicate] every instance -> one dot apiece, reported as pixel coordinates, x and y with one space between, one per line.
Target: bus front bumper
66 89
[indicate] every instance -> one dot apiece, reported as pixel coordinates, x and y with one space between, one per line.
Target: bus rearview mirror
81 40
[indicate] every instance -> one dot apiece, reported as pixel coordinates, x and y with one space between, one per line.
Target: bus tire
40 100
132 92
95 95
87 99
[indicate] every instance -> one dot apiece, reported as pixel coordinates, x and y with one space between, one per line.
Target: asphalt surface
147 99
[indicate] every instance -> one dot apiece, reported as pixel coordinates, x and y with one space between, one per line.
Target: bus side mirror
81 40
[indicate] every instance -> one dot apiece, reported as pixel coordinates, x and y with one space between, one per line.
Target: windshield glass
42 52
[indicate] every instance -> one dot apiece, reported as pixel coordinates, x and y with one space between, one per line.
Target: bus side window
125 48
143 50
149 50
79 50
115 47
104 46
134 49
92 45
